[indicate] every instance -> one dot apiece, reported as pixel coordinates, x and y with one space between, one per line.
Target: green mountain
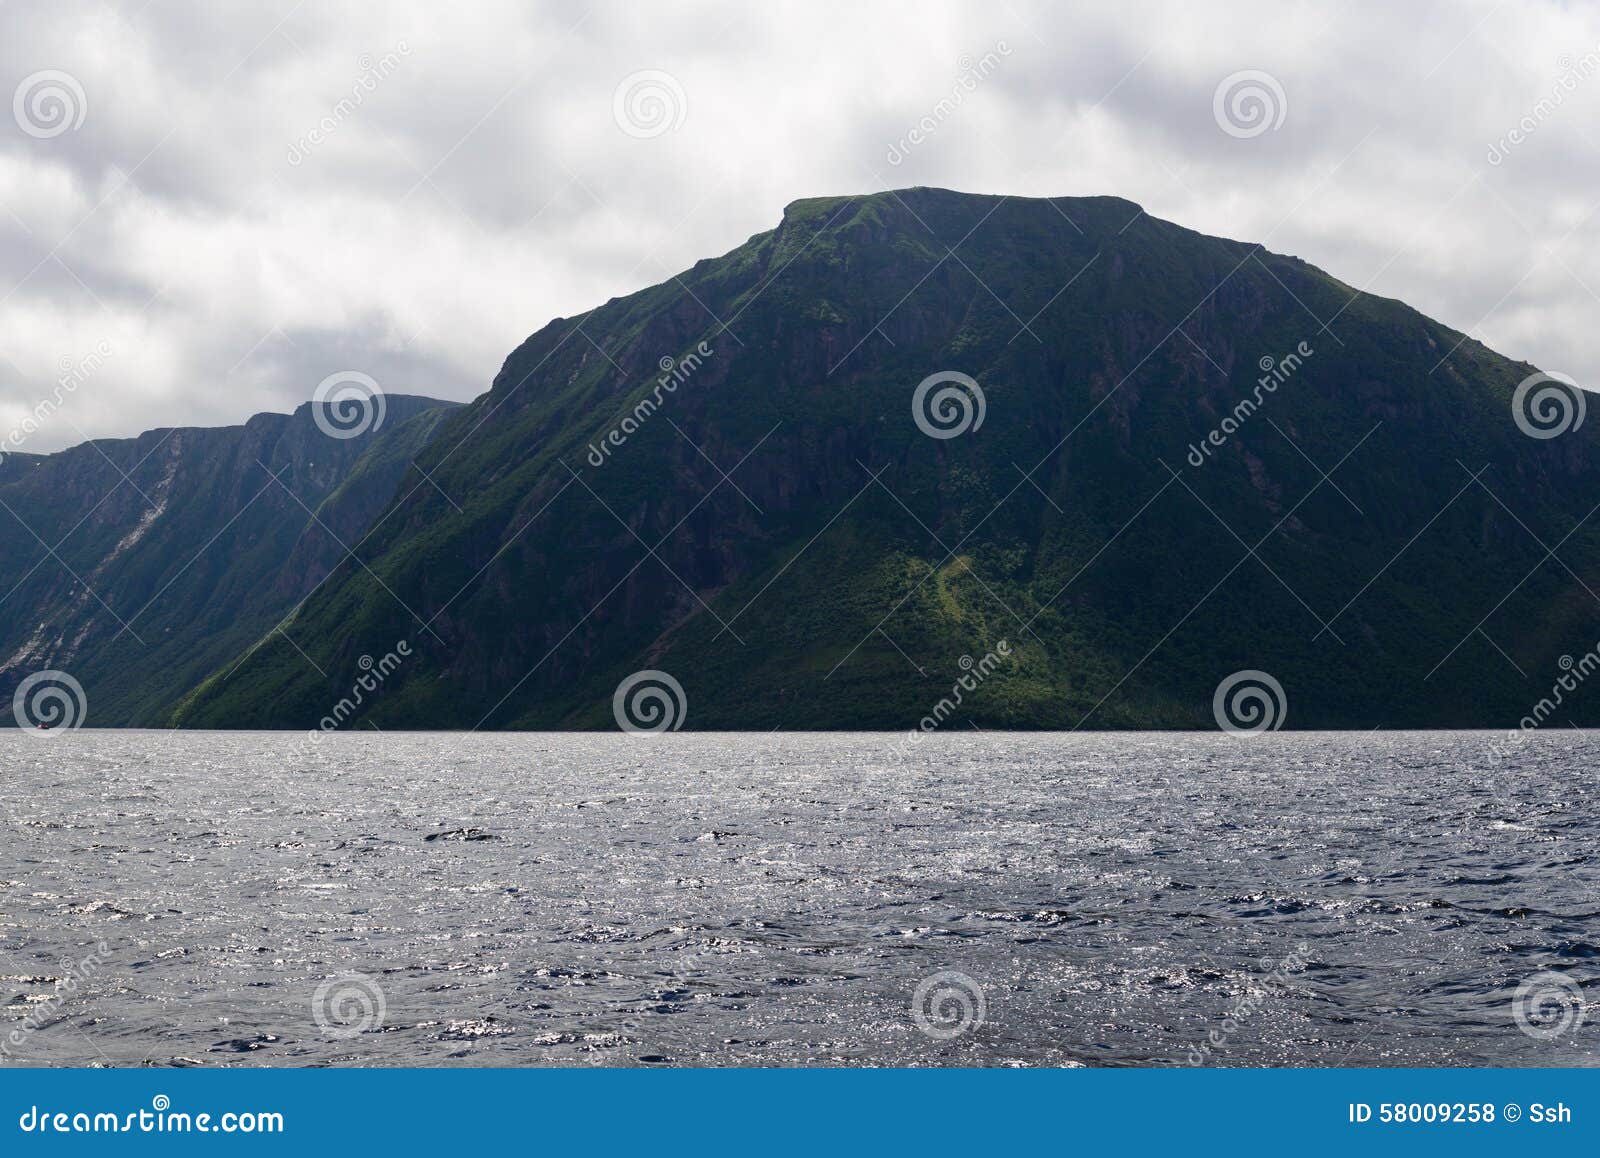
141 566
1195 457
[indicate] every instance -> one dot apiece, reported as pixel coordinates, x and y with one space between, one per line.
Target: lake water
832 899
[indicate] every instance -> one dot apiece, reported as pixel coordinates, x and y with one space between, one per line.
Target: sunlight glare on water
814 899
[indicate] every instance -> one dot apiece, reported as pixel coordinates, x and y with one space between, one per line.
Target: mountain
1191 457
141 566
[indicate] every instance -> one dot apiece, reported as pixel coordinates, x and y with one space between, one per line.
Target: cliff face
1191 457
141 565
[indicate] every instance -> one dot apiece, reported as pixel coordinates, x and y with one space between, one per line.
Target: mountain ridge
773 527
183 529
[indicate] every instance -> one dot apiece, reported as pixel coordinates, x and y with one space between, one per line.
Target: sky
206 209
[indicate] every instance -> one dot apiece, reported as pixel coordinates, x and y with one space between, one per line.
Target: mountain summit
984 461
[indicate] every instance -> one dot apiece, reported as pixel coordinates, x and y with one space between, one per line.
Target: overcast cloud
481 184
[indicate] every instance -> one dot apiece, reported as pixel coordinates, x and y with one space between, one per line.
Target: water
1124 899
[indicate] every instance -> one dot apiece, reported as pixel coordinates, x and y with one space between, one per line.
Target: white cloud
480 186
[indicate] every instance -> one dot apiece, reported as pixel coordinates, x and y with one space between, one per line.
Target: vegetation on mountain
1195 457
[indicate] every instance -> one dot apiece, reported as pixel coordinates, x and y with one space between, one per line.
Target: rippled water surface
716 899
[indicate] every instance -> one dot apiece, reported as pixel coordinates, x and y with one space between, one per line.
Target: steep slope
845 564
141 565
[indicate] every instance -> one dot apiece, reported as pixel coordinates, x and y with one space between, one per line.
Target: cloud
254 200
